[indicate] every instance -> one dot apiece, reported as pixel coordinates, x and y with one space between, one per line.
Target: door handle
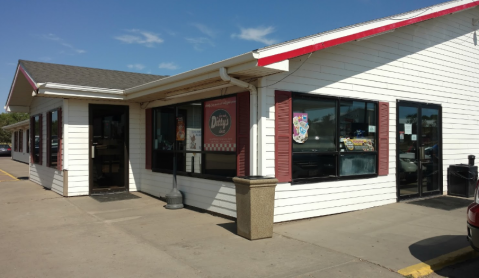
92 151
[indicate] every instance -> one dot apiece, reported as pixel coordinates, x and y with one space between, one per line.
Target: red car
473 221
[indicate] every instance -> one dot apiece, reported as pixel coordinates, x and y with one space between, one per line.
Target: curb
428 267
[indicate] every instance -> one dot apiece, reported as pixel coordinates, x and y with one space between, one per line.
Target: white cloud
145 38
256 34
136 66
62 42
198 43
169 66
205 30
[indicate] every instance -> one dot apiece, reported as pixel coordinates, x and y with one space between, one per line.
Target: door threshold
412 199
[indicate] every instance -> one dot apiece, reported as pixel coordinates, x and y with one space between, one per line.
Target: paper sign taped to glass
359 144
300 127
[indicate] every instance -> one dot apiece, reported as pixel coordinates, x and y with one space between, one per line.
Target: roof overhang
20 95
78 92
291 49
18 125
243 67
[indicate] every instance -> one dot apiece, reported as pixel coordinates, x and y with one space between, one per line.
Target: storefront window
37 139
333 138
52 140
200 136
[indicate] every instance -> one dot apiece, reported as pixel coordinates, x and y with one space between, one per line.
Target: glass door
108 148
419 149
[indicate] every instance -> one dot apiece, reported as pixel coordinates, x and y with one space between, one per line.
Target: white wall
22 156
78 136
431 62
42 174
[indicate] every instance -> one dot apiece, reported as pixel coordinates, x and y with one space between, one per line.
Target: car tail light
9 149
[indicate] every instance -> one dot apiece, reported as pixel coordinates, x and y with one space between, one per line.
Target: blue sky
166 37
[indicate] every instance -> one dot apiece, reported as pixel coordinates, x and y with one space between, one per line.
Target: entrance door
419 149
108 148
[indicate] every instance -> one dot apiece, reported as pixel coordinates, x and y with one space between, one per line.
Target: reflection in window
37 139
177 134
357 128
20 140
28 140
313 165
328 143
53 138
358 164
321 118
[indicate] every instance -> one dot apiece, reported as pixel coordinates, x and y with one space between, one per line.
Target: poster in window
300 127
220 125
359 144
193 139
180 129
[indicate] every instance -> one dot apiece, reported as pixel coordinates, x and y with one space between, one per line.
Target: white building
20 149
353 118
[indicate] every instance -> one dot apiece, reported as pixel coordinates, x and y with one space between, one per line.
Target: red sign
220 125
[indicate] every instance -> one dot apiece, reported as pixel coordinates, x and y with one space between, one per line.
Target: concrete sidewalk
44 234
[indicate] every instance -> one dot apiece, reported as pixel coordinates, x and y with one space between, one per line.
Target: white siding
46 176
431 62
78 136
21 156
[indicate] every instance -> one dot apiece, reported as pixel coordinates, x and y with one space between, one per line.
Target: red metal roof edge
326 44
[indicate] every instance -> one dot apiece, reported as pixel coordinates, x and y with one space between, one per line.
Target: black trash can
461 180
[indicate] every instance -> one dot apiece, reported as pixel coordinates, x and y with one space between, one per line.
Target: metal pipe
253 150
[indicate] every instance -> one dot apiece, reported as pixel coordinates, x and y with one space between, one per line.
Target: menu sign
220 125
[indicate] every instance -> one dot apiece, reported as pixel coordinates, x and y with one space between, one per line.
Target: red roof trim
315 47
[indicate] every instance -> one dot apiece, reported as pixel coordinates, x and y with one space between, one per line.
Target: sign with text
220 125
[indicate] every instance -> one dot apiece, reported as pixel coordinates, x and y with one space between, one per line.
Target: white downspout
253 150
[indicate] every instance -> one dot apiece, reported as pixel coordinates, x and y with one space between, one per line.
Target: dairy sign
220 125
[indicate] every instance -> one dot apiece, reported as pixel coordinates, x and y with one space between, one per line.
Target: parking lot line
14 178
428 267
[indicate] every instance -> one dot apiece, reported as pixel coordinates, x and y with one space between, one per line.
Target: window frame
15 141
20 140
49 135
202 152
337 153
28 140
40 139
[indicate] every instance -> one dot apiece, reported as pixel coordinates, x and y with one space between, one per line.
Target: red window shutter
49 138
242 134
283 136
148 138
383 134
40 144
60 140
32 138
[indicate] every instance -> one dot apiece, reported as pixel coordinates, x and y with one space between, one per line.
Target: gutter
253 150
212 68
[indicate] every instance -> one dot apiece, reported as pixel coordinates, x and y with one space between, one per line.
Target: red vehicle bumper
473 225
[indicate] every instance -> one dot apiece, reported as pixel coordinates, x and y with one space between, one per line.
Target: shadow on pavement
231 227
434 247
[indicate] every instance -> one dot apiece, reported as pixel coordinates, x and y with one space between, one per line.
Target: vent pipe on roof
253 117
